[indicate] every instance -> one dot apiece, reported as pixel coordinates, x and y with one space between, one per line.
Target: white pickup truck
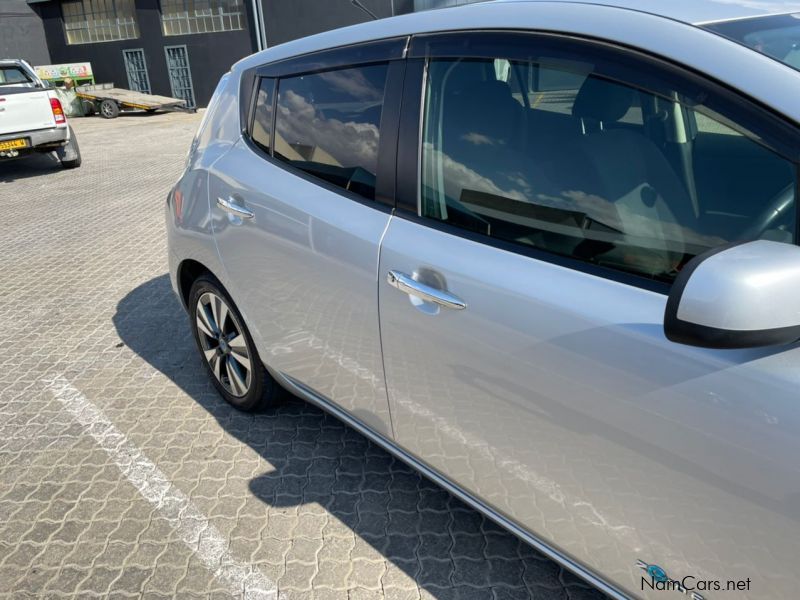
32 118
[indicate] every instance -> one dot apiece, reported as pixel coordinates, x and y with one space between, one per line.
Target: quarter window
328 125
88 21
261 130
551 154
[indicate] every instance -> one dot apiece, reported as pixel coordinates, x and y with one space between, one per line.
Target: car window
328 125
261 129
12 75
554 155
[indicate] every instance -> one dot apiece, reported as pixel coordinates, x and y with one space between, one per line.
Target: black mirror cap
702 336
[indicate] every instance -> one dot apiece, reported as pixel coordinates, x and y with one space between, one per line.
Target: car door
298 216
523 288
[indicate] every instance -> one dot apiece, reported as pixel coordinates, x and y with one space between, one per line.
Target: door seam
380 331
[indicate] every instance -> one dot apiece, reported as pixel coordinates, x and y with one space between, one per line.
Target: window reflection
553 155
328 125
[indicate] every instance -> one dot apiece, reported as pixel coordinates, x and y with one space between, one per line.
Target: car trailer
108 101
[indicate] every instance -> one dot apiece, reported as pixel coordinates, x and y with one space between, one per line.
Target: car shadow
449 549
25 167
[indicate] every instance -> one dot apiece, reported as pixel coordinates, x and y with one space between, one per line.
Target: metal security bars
180 74
180 17
89 21
136 67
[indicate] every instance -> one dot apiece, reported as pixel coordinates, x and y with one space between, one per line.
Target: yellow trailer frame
108 100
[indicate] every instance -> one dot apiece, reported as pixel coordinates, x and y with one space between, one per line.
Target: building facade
181 48
21 33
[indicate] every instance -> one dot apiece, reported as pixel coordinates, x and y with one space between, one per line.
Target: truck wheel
70 154
109 109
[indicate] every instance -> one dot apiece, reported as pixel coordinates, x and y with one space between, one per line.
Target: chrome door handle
234 208
410 286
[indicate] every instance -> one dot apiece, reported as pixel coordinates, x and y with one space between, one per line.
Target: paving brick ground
122 474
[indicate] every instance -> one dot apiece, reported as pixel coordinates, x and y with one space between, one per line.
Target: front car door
298 217
559 187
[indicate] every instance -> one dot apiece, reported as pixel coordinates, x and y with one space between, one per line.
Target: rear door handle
232 207
410 286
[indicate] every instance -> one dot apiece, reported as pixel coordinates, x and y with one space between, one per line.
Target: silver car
544 252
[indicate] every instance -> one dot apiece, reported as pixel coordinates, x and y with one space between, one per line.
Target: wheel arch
189 270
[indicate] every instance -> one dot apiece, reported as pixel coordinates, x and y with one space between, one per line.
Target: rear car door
540 223
299 208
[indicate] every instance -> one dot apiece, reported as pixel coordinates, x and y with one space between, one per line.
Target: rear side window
551 154
261 129
328 125
12 75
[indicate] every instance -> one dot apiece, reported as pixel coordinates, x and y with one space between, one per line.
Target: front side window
181 17
551 154
328 125
88 21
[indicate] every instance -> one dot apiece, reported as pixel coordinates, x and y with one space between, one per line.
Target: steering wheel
776 214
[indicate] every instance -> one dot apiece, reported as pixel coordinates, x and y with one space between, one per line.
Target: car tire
70 154
226 351
109 109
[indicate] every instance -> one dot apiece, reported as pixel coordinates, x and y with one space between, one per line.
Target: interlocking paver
289 496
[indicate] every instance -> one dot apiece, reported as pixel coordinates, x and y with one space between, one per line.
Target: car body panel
556 398
553 403
697 11
303 273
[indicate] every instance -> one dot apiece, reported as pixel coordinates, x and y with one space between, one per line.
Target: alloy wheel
223 344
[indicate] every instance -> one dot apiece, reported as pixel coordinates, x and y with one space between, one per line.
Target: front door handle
412 287
234 208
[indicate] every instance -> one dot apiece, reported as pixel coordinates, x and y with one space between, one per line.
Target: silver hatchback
545 252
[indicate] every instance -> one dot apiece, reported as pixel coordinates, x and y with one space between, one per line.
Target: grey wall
286 20
22 33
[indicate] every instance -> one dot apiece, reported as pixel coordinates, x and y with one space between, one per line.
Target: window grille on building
180 17
88 21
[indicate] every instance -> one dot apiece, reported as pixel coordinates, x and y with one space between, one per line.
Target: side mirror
743 295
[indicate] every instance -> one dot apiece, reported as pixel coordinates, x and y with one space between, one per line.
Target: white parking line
194 529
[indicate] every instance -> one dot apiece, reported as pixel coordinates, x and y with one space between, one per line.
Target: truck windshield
777 36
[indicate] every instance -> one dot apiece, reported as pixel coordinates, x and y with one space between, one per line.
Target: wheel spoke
202 325
243 358
235 377
215 366
204 322
239 345
210 354
222 317
215 313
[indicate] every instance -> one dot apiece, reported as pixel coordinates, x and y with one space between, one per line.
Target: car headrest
602 100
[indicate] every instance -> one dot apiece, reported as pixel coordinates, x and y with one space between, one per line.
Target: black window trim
372 53
424 47
252 104
352 55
